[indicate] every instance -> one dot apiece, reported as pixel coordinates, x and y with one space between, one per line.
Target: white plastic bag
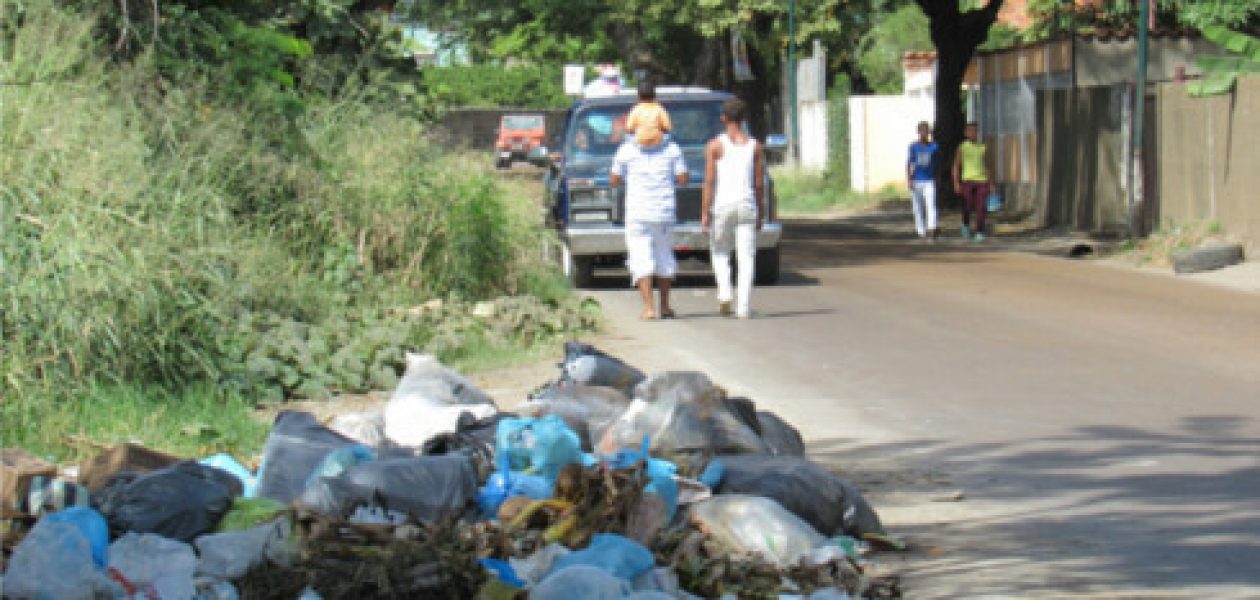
429 400
757 525
150 561
367 428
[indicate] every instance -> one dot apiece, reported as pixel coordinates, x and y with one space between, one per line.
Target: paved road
1102 424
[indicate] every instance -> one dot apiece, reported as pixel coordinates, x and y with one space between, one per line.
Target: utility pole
795 133
1139 109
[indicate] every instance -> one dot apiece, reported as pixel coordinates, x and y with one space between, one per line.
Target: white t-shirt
649 175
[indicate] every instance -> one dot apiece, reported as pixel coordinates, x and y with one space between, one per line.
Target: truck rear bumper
595 241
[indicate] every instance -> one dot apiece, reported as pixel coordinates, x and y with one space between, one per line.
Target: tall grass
802 192
142 220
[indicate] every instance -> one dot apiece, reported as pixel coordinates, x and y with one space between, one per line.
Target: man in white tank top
734 206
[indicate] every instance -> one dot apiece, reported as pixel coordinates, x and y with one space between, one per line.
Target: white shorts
650 250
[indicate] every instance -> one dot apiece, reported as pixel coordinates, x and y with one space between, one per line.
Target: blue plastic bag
618 555
994 202
503 571
236 469
92 524
539 446
504 484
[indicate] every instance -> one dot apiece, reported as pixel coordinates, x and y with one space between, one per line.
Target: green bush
155 236
489 85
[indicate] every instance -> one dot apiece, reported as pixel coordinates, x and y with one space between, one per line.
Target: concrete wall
477 128
1110 62
1208 166
881 129
814 143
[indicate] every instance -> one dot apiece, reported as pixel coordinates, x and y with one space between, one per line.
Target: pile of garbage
604 483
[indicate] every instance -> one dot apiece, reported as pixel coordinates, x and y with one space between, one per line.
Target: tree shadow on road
1098 508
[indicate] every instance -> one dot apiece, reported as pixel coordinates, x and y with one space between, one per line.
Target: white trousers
734 229
650 250
923 197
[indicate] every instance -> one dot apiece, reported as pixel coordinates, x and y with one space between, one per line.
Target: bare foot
668 313
648 315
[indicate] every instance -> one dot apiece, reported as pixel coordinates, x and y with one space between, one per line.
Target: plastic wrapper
587 583
685 416
828 502
296 445
180 502
781 438
584 364
588 410
154 566
54 560
756 525
427 488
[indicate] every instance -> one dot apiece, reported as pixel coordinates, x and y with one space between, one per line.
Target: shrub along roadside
163 246
802 192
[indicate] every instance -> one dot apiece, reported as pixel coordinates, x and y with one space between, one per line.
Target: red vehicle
520 138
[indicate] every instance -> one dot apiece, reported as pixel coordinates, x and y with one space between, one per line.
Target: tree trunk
956 36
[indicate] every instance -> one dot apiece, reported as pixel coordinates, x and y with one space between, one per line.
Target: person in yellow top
973 179
648 120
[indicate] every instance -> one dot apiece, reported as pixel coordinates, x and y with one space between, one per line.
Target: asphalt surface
1035 427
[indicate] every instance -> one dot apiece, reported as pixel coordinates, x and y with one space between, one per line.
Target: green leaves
1221 72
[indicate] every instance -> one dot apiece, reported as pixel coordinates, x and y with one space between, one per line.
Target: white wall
881 129
813 123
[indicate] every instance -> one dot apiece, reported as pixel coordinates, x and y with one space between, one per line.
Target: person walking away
733 206
921 179
648 120
973 178
650 174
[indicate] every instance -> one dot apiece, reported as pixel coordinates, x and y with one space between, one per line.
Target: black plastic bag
781 439
428 488
830 503
180 502
586 365
296 445
473 438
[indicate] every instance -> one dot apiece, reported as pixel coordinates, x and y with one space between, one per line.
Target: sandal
668 314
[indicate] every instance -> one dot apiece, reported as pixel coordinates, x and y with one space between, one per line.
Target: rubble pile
605 483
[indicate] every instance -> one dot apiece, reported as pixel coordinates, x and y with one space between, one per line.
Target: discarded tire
1207 258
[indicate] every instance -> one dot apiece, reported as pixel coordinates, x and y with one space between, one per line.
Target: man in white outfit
921 178
650 174
734 206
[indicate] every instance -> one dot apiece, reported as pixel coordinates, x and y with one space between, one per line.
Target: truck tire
767 269
1207 258
579 269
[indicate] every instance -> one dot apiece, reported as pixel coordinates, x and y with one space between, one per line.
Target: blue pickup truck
589 214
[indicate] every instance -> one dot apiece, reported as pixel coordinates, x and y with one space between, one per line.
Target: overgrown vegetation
802 192
488 84
168 242
1158 248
